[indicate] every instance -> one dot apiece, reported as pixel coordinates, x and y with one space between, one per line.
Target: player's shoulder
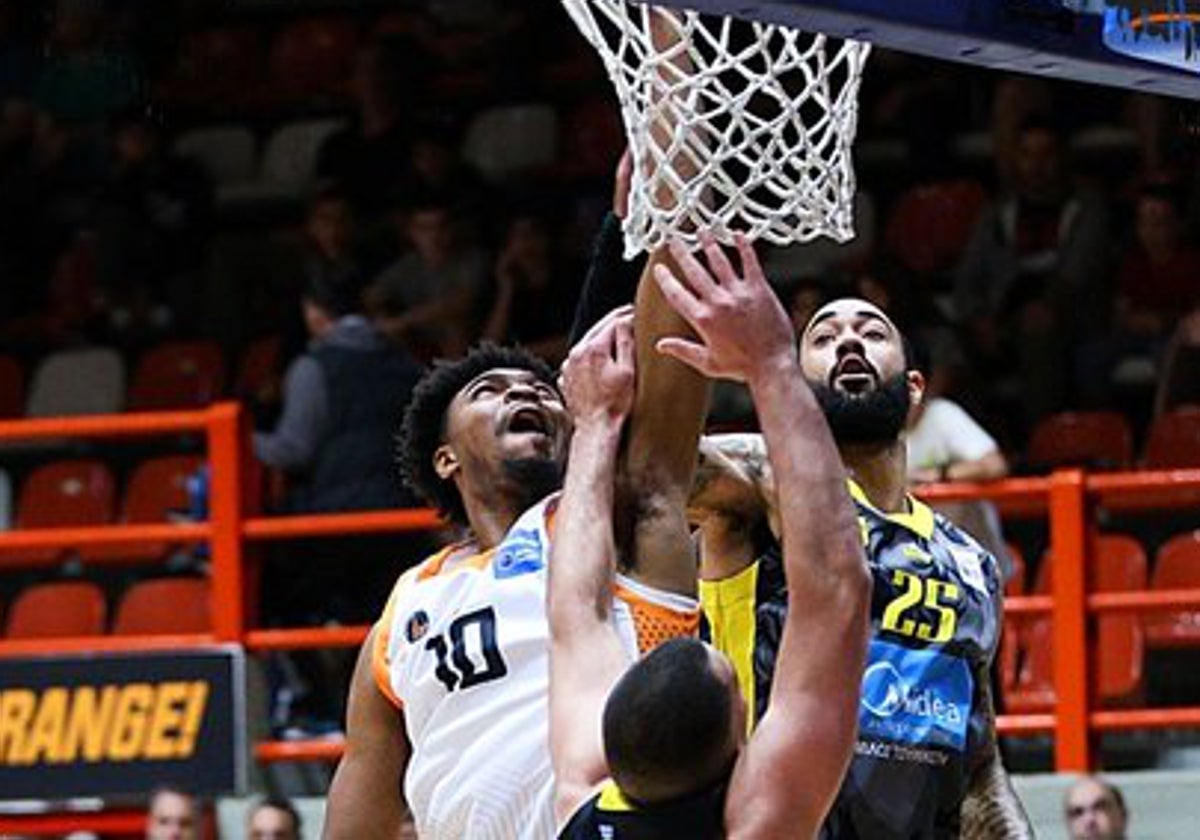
973 561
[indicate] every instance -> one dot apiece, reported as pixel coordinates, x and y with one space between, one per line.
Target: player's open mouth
853 375
529 420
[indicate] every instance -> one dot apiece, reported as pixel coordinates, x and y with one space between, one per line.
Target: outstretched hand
598 378
742 326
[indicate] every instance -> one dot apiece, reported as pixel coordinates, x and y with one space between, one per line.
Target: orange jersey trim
436 565
383 636
657 623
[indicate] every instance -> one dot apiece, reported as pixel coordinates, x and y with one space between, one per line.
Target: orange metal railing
1066 498
1069 498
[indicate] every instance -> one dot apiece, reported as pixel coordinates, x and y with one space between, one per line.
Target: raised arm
366 800
790 771
586 655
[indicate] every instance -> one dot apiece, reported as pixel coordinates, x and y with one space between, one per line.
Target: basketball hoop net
733 125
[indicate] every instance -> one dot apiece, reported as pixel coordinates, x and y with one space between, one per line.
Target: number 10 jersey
463 650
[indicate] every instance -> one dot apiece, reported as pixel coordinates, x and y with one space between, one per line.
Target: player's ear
445 462
916 389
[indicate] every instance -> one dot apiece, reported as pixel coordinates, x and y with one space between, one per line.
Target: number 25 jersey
934 614
462 649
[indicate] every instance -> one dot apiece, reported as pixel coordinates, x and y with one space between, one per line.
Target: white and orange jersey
463 650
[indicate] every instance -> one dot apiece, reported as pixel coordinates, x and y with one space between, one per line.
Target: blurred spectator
329 237
368 159
152 224
20 66
172 814
1033 276
86 77
328 249
274 818
436 167
1179 385
48 187
946 444
535 290
1016 101
1159 278
1095 809
428 300
341 401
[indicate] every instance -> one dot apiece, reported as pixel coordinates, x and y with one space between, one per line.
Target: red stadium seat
12 388
591 140
313 57
178 375
217 67
62 494
1119 565
929 225
396 23
156 488
48 610
165 606
1086 438
1176 566
1174 440
259 367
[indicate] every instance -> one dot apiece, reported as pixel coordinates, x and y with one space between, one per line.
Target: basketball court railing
1067 499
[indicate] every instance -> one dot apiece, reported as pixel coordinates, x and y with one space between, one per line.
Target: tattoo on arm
733 476
991 808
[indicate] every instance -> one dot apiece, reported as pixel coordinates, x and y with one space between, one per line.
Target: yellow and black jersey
610 816
935 613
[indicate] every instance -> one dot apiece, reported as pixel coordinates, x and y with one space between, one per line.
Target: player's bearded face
873 416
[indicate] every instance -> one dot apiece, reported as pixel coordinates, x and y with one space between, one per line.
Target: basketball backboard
1144 46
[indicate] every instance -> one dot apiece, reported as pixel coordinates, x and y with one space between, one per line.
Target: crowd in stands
292 204
451 159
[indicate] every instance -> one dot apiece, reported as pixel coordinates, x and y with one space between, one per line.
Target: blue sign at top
1165 32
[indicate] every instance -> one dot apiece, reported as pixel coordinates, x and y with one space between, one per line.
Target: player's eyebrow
487 377
503 377
863 314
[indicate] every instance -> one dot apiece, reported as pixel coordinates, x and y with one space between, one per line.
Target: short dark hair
423 428
666 725
327 192
336 290
280 803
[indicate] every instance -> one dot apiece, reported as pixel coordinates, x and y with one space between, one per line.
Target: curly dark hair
423 428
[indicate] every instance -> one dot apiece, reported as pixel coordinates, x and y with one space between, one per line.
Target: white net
733 125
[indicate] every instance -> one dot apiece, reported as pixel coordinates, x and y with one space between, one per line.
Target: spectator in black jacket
341 402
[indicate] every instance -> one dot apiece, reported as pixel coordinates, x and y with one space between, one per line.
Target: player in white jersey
447 720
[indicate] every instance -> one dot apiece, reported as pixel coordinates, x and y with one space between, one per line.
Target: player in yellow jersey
926 763
668 732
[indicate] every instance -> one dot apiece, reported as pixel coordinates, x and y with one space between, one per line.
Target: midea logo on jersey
884 693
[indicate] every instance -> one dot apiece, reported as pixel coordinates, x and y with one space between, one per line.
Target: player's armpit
365 799
991 808
659 459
